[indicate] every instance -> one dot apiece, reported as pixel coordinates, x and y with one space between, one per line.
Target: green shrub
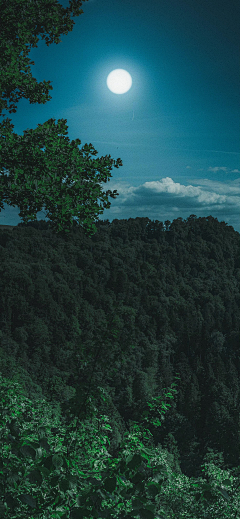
48 470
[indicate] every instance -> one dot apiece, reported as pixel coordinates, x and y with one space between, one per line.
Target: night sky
176 130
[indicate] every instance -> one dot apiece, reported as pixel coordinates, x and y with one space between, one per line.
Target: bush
48 470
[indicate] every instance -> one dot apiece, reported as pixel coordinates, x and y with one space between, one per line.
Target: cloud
166 186
166 199
166 190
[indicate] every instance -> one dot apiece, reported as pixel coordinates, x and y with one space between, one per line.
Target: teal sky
177 130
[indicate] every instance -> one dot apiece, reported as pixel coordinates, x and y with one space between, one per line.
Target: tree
35 176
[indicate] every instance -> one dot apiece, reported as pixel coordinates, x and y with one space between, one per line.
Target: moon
119 81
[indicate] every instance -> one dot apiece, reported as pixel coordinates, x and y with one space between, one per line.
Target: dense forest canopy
172 292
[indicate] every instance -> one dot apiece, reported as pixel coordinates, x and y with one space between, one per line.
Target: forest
171 290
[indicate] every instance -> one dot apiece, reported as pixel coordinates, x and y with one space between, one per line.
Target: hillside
172 293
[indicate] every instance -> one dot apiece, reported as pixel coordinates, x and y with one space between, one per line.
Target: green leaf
57 461
134 461
110 484
35 477
26 499
224 493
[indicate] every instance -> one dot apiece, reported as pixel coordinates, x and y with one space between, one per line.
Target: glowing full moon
119 81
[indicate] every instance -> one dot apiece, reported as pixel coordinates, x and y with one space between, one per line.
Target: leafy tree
35 176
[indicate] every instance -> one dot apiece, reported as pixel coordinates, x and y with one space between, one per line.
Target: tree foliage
21 23
43 475
57 299
35 176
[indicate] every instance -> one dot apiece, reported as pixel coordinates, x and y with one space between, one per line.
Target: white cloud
166 199
167 185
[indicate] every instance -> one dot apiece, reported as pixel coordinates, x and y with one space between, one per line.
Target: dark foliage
172 292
